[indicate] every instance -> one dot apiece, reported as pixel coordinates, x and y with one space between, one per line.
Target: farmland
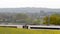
26 31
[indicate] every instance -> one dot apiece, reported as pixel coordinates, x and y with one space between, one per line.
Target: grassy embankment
26 31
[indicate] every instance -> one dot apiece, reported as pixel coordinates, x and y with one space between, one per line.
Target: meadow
26 31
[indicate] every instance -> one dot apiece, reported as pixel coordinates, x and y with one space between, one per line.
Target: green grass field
26 31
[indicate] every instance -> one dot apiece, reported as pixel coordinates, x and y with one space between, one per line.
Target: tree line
29 19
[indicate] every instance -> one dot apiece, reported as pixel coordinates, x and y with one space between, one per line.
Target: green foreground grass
26 31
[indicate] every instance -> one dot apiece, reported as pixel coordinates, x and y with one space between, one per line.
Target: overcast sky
29 3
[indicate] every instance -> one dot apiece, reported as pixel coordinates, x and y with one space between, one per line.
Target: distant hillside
30 10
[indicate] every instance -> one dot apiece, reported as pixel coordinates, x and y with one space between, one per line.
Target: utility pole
49 19
41 16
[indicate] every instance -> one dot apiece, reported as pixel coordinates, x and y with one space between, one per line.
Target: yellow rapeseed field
26 31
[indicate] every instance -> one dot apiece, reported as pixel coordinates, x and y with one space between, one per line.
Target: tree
54 19
36 21
20 16
28 20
